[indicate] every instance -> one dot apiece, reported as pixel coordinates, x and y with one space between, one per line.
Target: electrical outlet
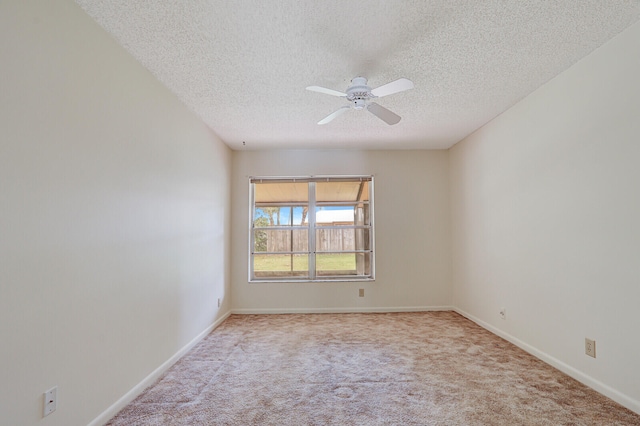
590 347
361 292
503 313
50 401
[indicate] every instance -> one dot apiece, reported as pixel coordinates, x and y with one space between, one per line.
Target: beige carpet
433 368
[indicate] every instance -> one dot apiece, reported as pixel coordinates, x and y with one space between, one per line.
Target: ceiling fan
359 96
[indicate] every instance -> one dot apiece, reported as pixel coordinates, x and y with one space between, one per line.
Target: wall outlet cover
503 313
590 347
50 401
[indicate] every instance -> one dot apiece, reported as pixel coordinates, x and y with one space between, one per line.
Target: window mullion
251 231
311 215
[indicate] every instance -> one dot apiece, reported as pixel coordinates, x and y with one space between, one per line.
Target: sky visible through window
285 213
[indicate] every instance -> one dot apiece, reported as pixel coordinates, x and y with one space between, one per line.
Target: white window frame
311 219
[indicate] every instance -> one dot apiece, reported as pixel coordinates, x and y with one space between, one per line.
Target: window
311 229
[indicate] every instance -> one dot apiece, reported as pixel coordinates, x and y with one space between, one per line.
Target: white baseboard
594 384
155 375
340 310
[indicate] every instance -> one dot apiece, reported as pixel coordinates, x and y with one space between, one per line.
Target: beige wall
411 224
113 219
545 214
117 238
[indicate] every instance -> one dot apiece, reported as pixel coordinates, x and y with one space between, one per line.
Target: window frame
312 228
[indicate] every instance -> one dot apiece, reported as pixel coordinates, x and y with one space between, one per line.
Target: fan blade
383 114
334 114
400 85
326 91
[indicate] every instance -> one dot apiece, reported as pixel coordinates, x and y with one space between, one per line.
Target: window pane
334 215
280 265
343 215
281 192
362 239
354 264
335 240
342 191
279 240
264 216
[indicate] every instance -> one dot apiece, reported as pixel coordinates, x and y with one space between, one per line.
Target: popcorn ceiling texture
243 66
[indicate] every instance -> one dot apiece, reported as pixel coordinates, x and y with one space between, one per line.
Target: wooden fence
326 240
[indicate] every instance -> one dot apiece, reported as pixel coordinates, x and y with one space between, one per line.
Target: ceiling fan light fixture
359 95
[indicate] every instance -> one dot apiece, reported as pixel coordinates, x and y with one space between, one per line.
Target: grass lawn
324 262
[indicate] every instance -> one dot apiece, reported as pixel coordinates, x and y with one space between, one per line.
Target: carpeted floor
428 368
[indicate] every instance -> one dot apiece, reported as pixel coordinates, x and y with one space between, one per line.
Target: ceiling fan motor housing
359 93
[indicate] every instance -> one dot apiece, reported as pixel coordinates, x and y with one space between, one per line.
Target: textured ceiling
242 66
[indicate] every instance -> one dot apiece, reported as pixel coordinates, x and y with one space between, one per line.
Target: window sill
318 280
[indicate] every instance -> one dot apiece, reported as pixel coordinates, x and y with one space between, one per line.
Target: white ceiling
242 66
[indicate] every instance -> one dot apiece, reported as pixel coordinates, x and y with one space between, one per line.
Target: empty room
319 213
